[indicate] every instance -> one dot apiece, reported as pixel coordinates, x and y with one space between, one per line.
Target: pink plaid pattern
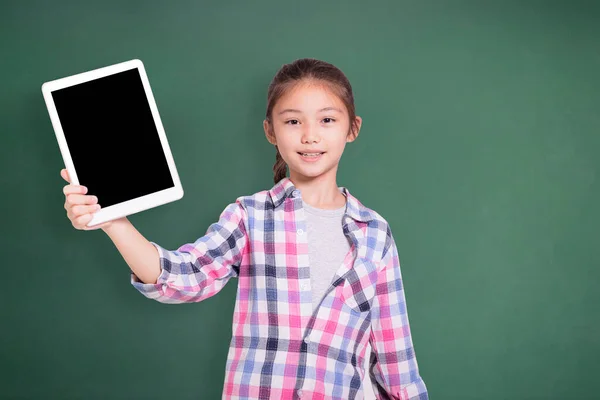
280 349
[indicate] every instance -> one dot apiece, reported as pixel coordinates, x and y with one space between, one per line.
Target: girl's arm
393 362
138 253
193 272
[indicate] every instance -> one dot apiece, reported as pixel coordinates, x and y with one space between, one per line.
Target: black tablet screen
112 138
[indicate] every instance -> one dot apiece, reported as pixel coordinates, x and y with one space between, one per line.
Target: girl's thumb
65 174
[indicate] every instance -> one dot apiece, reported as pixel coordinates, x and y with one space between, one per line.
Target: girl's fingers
73 199
69 189
78 210
91 228
65 175
82 220
80 207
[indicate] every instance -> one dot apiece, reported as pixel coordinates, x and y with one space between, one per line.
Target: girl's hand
80 208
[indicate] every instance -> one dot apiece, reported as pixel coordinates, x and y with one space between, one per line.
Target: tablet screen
112 138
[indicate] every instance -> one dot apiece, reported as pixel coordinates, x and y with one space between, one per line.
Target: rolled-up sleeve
393 366
196 271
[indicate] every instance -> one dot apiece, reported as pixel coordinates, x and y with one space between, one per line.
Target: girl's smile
311 157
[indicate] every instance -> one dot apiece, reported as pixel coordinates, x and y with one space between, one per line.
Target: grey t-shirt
327 247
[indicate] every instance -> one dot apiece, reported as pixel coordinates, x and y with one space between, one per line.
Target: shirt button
300 231
296 193
299 392
307 340
304 287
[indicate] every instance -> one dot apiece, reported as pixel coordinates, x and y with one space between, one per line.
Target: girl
318 272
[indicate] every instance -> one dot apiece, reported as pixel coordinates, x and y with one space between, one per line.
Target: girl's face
310 119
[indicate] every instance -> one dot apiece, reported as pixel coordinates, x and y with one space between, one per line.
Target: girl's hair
307 69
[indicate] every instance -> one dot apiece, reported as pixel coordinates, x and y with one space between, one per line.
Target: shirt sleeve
196 271
393 366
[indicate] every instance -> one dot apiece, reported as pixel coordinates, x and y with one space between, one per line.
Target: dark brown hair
307 69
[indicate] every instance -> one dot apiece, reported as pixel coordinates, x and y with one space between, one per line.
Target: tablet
112 140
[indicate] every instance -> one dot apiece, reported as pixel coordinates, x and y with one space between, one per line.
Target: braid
280 167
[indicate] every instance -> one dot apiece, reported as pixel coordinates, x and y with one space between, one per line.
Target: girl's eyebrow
300 112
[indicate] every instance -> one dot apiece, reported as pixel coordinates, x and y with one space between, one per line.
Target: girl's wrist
115 225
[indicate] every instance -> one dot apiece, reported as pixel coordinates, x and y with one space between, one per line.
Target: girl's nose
310 135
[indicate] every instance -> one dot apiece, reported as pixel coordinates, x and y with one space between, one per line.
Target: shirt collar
285 188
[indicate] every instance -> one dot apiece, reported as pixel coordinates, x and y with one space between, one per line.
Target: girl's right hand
80 208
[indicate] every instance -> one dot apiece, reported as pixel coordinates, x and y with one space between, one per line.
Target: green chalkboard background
479 145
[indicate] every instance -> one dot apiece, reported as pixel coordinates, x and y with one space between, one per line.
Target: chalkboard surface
479 146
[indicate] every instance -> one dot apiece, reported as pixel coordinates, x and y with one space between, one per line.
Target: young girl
318 272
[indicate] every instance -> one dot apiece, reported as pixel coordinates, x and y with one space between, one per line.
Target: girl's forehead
309 95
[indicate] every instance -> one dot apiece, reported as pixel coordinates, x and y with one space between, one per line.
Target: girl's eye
295 121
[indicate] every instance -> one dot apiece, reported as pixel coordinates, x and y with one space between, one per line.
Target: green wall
479 146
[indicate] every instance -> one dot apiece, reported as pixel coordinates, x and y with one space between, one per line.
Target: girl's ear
269 132
355 128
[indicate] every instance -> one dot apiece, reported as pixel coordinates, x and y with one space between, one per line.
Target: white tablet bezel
134 205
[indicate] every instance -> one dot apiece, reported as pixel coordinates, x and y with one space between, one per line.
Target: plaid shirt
279 348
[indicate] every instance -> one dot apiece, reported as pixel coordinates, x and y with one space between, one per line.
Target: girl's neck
320 192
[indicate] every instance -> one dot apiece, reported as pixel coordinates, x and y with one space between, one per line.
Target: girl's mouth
311 157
